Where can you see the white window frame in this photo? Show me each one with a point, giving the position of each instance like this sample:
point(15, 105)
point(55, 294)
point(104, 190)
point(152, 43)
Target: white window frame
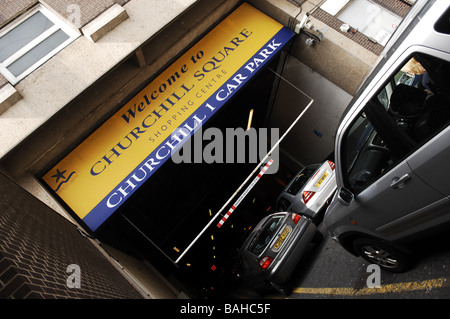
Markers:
point(58, 25)
point(374, 19)
point(337, 7)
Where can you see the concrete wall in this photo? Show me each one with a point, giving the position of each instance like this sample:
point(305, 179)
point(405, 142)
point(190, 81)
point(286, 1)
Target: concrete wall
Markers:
point(311, 140)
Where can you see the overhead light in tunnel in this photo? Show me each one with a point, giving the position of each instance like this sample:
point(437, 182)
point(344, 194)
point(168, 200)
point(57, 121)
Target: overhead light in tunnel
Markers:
point(250, 118)
point(176, 249)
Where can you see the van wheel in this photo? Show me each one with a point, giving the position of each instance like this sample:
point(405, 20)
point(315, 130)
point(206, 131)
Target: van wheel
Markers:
point(387, 257)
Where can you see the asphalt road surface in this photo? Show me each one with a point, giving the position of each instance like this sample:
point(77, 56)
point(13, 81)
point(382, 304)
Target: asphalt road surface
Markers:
point(327, 271)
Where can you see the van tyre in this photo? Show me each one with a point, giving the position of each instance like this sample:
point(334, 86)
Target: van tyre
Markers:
point(386, 256)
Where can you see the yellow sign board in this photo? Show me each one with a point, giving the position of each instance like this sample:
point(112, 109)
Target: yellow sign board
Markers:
point(100, 173)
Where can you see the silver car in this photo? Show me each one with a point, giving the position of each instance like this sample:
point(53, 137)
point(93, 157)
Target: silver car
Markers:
point(273, 250)
point(309, 192)
point(392, 147)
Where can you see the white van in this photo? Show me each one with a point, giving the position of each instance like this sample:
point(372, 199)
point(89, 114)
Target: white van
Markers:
point(392, 147)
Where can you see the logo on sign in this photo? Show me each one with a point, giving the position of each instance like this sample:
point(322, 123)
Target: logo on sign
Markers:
point(62, 176)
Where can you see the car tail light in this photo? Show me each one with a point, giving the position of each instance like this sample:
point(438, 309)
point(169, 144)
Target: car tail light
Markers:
point(332, 165)
point(295, 217)
point(265, 262)
point(307, 195)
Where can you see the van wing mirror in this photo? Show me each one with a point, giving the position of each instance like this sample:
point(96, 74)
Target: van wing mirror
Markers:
point(345, 196)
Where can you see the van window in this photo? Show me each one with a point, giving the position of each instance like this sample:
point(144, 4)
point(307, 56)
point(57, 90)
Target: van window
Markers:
point(443, 24)
point(412, 107)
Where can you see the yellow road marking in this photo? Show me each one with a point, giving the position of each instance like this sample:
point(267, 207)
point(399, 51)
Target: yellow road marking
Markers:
point(391, 288)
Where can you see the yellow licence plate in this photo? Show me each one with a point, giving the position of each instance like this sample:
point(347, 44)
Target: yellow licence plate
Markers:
point(282, 237)
point(324, 177)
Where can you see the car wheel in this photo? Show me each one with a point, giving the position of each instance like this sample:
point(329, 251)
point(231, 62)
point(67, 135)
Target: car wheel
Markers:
point(387, 257)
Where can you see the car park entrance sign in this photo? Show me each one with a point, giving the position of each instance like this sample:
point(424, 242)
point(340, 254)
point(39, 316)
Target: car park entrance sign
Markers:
point(103, 171)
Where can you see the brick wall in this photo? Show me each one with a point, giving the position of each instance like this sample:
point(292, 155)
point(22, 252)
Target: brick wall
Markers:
point(397, 7)
point(36, 247)
point(9, 9)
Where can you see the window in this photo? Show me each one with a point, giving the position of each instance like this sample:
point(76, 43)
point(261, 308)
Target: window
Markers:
point(365, 16)
point(443, 24)
point(301, 179)
point(29, 42)
point(412, 108)
point(371, 20)
point(266, 234)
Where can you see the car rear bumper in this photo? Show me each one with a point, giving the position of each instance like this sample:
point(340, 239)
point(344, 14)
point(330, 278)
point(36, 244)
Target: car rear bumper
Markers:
point(288, 259)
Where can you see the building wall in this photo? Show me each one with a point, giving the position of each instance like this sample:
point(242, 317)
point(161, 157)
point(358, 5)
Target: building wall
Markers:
point(343, 58)
point(37, 246)
point(13, 8)
point(89, 10)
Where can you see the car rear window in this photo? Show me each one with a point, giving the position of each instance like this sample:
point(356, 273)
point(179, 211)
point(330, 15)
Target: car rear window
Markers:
point(301, 179)
point(265, 235)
